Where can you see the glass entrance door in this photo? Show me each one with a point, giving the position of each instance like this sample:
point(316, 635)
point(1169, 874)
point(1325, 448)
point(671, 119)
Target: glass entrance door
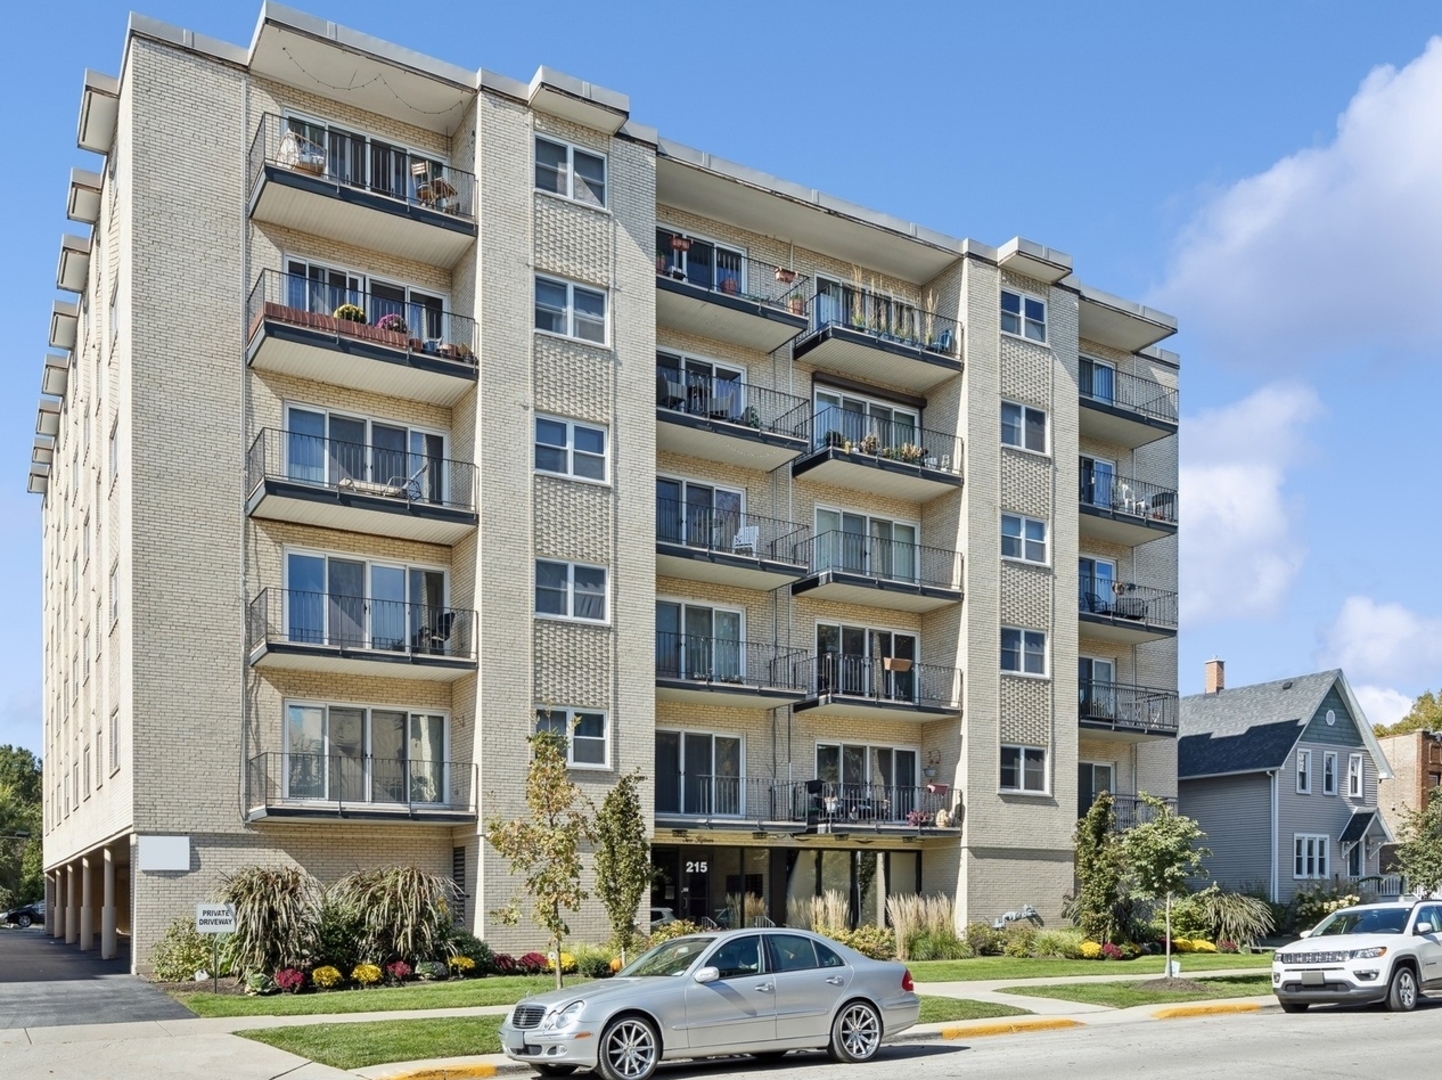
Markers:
point(1098, 478)
point(1096, 686)
point(1096, 583)
point(1093, 778)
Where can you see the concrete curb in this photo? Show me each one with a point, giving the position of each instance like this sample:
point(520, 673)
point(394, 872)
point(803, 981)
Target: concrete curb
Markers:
point(1221, 1008)
point(1020, 1026)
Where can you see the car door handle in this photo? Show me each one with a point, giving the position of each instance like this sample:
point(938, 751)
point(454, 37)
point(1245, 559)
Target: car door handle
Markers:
point(836, 980)
point(765, 987)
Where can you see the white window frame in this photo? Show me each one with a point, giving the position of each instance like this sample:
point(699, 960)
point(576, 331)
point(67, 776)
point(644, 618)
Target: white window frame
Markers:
point(1356, 776)
point(1023, 751)
point(716, 366)
point(368, 707)
point(114, 593)
point(677, 260)
point(1023, 320)
point(893, 522)
point(114, 449)
point(1022, 642)
point(409, 150)
point(713, 734)
point(686, 481)
point(370, 564)
point(1023, 521)
point(1304, 772)
point(568, 714)
point(571, 565)
point(684, 602)
point(369, 444)
point(1329, 772)
point(569, 334)
point(1313, 852)
point(867, 401)
point(1045, 450)
point(570, 451)
point(364, 281)
point(569, 194)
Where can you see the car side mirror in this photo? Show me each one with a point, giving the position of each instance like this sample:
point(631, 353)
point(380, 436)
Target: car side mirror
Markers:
point(708, 975)
point(1305, 933)
point(1425, 928)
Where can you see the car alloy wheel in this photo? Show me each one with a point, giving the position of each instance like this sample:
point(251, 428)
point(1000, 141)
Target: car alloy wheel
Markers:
point(629, 1050)
point(856, 1033)
point(1402, 997)
point(23, 921)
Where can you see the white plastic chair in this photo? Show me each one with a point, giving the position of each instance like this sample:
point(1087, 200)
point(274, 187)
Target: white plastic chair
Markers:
point(747, 537)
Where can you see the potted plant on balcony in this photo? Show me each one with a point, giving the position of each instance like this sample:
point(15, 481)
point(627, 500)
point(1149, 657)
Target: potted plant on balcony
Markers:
point(350, 319)
point(910, 453)
point(785, 276)
point(394, 328)
point(870, 443)
point(797, 304)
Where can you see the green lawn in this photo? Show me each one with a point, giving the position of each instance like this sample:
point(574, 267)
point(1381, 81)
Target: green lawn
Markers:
point(943, 1010)
point(1122, 995)
point(1006, 967)
point(498, 990)
point(354, 1046)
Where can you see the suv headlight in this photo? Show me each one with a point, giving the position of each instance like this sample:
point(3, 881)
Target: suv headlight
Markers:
point(1369, 954)
point(565, 1017)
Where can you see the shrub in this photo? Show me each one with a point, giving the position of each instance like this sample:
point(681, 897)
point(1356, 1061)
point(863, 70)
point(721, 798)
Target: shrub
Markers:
point(256, 983)
point(1227, 947)
point(465, 943)
point(431, 970)
point(876, 942)
point(1130, 950)
point(926, 928)
point(1020, 940)
point(1311, 906)
point(984, 940)
point(594, 962)
point(366, 974)
point(1061, 944)
point(290, 980)
point(505, 964)
point(1111, 952)
point(404, 911)
point(1212, 915)
point(327, 977)
point(533, 963)
point(398, 971)
point(394, 323)
point(568, 963)
point(181, 952)
point(678, 928)
point(1198, 945)
point(337, 939)
point(276, 916)
point(350, 313)
point(1090, 950)
point(1182, 945)
point(461, 966)
point(925, 945)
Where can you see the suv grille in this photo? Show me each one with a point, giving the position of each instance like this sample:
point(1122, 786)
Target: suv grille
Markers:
point(1317, 957)
point(528, 1016)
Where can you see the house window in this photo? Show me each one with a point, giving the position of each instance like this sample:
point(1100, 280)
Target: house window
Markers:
point(569, 171)
point(360, 161)
point(567, 590)
point(570, 448)
point(703, 263)
point(703, 516)
point(1097, 380)
point(1354, 776)
point(1098, 588)
point(584, 731)
point(1023, 651)
point(570, 310)
point(868, 425)
point(1310, 857)
point(350, 753)
point(85, 770)
point(1304, 772)
point(114, 313)
point(700, 772)
point(1099, 487)
point(1023, 316)
point(1023, 769)
point(872, 782)
point(702, 388)
point(85, 653)
point(351, 603)
point(868, 546)
point(331, 449)
point(866, 662)
point(1329, 773)
point(1023, 427)
point(114, 450)
point(1023, 538)
point(85, 541)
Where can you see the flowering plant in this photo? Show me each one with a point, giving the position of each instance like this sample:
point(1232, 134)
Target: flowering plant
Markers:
point(505, 964)
point(1111, 952)
point(392, 322)
point(568, 962)
point(431, 970)
point(1090, 950)
point(533, 963)
point(290, 980)
point(398, 970)
point(327, 977)
point(366, 974)
point(461, 965)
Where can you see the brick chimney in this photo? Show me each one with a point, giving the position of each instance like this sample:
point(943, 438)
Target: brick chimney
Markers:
point(1216, 676)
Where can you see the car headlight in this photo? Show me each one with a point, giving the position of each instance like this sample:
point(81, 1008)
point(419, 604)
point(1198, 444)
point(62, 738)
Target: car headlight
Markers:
point(564, 1017)
point(1369, 954)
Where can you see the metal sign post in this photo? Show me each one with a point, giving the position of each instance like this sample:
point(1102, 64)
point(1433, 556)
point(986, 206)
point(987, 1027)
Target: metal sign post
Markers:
point(215, 919)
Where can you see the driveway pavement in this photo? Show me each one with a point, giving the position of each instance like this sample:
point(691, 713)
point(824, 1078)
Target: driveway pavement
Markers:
point(45, 983)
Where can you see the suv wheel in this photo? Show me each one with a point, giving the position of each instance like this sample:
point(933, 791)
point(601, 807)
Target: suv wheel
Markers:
point(1402, 994)
point(1294, 1006)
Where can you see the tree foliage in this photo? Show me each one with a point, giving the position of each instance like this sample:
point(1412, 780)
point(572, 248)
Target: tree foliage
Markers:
point(277, 909)
point(1425, 715)
point(1419, 855)
point(1100, 871)
point(544, 847)
point(1162, 855)
point(623, 864)
point(21, 785)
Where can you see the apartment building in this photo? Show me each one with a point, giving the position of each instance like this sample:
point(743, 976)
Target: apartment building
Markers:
point(1416, 759)
point(402, 408)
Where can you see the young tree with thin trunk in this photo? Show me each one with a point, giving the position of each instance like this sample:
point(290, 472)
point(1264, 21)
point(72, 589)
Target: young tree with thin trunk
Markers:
point(623, 864)
point(1163, 855)
point(1419, 855)
point(1100, 870)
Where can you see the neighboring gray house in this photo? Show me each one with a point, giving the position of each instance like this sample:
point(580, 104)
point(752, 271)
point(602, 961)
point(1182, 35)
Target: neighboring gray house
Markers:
point(1282, 777)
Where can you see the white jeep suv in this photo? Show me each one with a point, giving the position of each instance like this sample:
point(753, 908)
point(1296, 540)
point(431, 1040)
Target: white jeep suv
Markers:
point(1370, 953)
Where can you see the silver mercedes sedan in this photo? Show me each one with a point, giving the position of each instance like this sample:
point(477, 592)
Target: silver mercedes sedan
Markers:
point(758, 992)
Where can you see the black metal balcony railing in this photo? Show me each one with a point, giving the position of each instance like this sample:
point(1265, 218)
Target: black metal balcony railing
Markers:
point(1126, 602)
point(884, 680)
point(417, 326)
point(296, 617)
point(731, 532)
point(1123, 495)
point(335, 465)
point(736, 275)
point(276, 778)
point(811, 801)
point(886, 560)
point(887, 440)
point(730, 401)
point(1124, 706)
point(886, 320)
point(1130, 810)
point(362, 164)
point(1122, 390)
point(725, 661)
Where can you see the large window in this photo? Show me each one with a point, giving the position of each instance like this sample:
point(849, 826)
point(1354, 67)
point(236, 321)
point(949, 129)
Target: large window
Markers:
point(317, 288)
point(698, 772)
point(584, 730)
point(357, 452)
point(1098, 380)
point(355, 753)
point(702, 516)
point(1355, 775)
point(354, 603)
point(570, 448)
point(570, 310)
point(865, 545)
point(870, 311)
point(861, 782)
point(1023, 316)
point(567, 590)
point(357, 160)
point(697, 641)
point(1311, 854)
point(1023, 769)
point(866, 424)
point(1023, 427)
point(1098, 485)
point(700, 262)
point(1023, 538)
point(1023, 651)
point(1097, 588)
point(865, 662)
point(1304, 772)
point(567, 170)
point(700, 387)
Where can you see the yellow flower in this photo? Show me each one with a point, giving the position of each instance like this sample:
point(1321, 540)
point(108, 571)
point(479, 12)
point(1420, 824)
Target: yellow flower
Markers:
point(326, 977)
point(1202, 946)
point(1090, 950)
point(461, 964)
point(568, 963)
point(366, 974)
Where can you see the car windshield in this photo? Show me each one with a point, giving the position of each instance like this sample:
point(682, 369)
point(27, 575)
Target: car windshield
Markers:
point(1363, 921)
point(668, 958)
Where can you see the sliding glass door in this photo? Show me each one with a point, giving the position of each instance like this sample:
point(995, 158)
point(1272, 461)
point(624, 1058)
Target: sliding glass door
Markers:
point(698, 642)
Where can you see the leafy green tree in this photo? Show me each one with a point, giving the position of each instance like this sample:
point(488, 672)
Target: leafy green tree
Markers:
point(544, 847)
point(1425, 715)
point(1162, 855)
point(20, 769)
point(1100, 870)
point(19, 832)
point(623, 863)
point(1419, 855)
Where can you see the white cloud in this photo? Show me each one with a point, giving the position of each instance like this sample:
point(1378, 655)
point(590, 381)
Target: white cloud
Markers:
point(1302, 261)
point(1377, 643)
point(1239, 546)
point(1382, 704)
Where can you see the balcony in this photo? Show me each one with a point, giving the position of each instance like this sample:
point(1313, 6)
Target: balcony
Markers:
point(721, 671)
point(877, 688)
point(1132, 811)
point(884, 457)
point(1120, 510)
point(308, 631)
point(312, 480)
point(853, 568)
point(882, 341)
point(283, 786)
point(729, 421)
point(360, 191)
point(408, 351)
point(1125, 612)
point(741, 301)
point(814, 806)
point(1125, 410)
point(1126, 712)
point(724, 547)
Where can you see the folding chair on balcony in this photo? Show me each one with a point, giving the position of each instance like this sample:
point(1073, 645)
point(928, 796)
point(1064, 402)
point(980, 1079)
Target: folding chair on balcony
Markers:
point(746, 540)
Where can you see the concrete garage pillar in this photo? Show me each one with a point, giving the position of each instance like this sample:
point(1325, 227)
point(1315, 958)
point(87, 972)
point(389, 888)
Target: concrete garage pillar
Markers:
point(87, 906)
point(72, 904)
point(53, 919)
point(107, 910)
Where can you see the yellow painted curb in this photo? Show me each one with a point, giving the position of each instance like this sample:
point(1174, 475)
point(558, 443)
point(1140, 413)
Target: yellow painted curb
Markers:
point(1207, 1010)
point(1008, 1027)
point(455, 1072)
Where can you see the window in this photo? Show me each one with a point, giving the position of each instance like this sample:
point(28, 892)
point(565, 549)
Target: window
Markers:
point(1023, 538)
point(1310, 857)
point(865, 310)
point(114, 314)
point(702, 516)
point(868, 546)
point(360, 161)
point(790, 952)
point(879, 783)
point(1023, 651)
point(114, 593)
point(328, 449)
point(114, 740)
point(570, 310)
point(570, 448)
point(1024, 316)
point(345, 602)
point(867, 662)
point(1304, 772)
point(85, 770)
point(1354, 776)
point(85, 653)
point(1099, 590)
point(570, 591)
point(869, 425)
point(699, 772)
point(1329, 773)
point(1097, 380)
point(584, 731)
point(694, 641)
point(567, 170)
point(85, 541)
point(351, 753)
point(1023, 768)
point(738, 957)
point(703, 388)
point(320, 289)
point(1099, 487)
point(1023, 427)
point(703, 263)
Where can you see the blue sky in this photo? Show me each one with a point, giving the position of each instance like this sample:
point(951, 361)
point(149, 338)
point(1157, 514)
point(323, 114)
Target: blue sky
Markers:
point(1269, 173)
